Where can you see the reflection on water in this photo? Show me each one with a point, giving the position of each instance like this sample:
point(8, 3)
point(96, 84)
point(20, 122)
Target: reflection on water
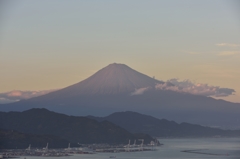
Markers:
point(211, 148)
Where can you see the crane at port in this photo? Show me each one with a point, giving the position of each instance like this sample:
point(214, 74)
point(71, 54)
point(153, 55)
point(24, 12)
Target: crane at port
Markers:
point(29, 147)
point(134, 144)
point(46, 148)
point(69, 148)
point(141, 146)
point(127, 146)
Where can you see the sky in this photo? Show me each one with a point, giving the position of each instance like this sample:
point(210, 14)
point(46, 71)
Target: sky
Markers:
point(51, 44)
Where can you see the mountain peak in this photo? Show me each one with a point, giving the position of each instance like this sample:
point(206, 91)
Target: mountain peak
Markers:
point(117, 66)
point(112, 79)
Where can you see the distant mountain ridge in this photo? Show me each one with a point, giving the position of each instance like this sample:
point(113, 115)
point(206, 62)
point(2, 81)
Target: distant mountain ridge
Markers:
point(117, 88)
point(71, 128)
point(136, 122)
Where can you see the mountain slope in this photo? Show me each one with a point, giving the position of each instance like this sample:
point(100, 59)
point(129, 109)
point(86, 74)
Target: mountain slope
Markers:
point(111, 90)
point(112, 79)
point(136, 122)
point(71, 128)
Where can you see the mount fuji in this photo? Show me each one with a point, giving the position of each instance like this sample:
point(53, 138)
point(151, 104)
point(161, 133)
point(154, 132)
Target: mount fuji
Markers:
point(118, 87)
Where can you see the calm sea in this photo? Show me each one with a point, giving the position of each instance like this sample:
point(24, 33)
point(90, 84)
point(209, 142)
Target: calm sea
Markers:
point(205, 148)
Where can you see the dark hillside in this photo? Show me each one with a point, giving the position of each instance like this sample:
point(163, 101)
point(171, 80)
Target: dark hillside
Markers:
point(136, 122)
point(71, 128)
point(11, 139)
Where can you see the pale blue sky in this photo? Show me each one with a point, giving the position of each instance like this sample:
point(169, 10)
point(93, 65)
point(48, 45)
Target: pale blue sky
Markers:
point(51, 44)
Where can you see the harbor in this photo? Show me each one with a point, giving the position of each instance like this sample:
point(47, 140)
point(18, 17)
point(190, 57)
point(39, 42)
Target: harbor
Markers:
point(84, 149)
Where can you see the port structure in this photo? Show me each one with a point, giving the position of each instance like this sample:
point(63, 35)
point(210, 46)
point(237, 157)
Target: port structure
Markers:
point(141, 145)
point(127, 146)
point(46, 148)
point(29, 147)
point(134, 144)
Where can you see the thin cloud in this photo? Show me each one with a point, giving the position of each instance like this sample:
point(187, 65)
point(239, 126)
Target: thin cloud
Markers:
point(228, 53)
point(191, 52)
point(5, 100)
point(16, 95)
point(167, 86)
point(186, 86)
point(140, 91)
point(228, 45)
